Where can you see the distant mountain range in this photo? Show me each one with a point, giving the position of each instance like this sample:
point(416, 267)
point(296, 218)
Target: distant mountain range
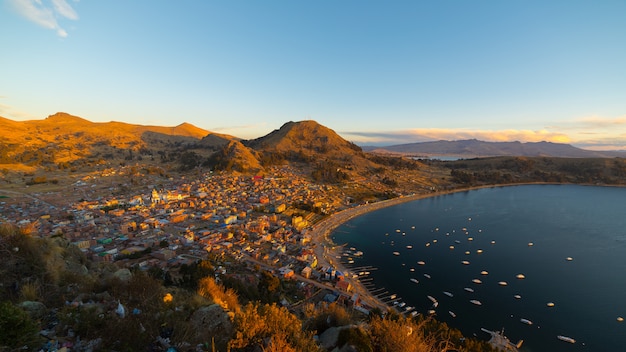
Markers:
point(472, 148)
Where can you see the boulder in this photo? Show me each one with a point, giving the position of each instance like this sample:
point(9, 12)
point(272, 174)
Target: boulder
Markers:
point(123, 274)
point(36, 310)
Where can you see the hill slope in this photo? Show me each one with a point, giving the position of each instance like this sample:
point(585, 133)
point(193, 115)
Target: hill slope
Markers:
point(62, 138)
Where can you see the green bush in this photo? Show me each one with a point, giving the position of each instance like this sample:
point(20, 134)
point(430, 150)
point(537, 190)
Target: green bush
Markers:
point(18, 329)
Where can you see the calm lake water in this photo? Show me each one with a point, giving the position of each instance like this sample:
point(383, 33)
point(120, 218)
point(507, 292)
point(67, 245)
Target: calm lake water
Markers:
point(568, 241)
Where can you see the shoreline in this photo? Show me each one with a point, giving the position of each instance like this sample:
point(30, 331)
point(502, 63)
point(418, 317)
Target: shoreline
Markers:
point(326, 251)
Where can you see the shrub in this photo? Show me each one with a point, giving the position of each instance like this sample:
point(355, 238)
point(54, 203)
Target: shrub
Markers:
point(18, 329)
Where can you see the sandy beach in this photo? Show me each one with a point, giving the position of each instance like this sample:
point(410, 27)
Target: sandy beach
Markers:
point(326, 251)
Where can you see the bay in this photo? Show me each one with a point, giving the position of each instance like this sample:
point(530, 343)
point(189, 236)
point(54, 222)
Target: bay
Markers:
point(568, 242)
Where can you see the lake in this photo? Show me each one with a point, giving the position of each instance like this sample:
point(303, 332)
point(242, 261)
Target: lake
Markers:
point(553, 255)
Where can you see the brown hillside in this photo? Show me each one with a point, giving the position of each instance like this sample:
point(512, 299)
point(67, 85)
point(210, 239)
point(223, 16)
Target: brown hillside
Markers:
point(308, 137)
point(63, 138)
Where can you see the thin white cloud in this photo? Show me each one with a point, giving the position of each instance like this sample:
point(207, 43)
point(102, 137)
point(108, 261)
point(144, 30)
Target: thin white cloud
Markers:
point(46, 14)
point(64, 9)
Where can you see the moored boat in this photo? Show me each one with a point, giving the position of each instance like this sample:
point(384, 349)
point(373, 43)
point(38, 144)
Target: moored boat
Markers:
point(566, 339)
point(526, 321)
point(476, 302)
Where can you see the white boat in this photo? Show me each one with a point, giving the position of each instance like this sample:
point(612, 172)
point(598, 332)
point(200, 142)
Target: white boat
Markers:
point(434, 241)
point(451, 247)
point(471, 290)
point(402, 304)
point(421, 262)
point(550, 304)
point(431, 311)
point(427, 276)
point(452, 314)
point(396, 253)
point(517, 297)
point(476, 302)
point(530, 244)
point(409, 247)
point(414, 313)
point(465, 262)
point(484, 272)
point(566, 339)
point(432, 299)
point(502, 283)
point(427, 244)
point(393, 296)
point(476, 281)
point(449, 294)
point(479, 251)
point(520, 276)
point(414, 280)
point(526, 321)
point(569, 259)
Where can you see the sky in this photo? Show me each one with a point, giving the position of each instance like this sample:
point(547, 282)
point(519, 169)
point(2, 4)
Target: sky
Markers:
point(376, 72)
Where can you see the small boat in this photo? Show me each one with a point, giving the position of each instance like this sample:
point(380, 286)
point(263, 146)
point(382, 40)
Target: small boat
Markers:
point(431, 311)
point(465, 262)
point(502, 283)
point(451, 247)
point(432, 299)
point(566, 339)
point(414, 280)
point(526, 321)
point(476, 281)
point(479, 251)
point(620, 319)
point(470, 290)
point(452, 314)
point(427, 244)
point(402, 304)
point(398, 230)
point(530, 244)
point(436, 304)
point(434, 241)
point(408, 309)
point(457, 241)
point(569, 259)
point(517, 297)
point(421, 263)
point(396, 253)
point(427, 276)
point(409, 247)
point(493, 242)
point(449, 294)
point(467, 252)
point(476, 302)
point(393, 296)
point(470, 238)
point(414, 313)
point(484, 272)
point(520, 276)
point(550, 304)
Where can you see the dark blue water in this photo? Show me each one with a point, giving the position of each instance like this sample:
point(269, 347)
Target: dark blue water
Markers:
point(585, 223)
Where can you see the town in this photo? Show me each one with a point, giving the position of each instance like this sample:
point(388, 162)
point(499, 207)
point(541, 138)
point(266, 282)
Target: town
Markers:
point(264, 220)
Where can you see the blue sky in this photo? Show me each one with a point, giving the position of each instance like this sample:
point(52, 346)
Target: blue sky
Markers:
point(376, 72)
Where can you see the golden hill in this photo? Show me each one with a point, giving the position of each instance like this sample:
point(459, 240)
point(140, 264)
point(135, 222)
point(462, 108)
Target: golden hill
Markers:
point(65, 138)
